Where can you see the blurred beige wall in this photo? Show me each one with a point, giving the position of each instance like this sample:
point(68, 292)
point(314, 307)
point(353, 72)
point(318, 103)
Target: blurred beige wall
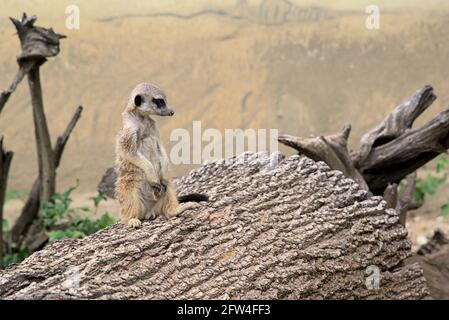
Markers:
point(231, 64)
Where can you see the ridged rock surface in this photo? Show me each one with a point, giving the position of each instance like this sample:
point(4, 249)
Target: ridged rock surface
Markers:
point(275, 228)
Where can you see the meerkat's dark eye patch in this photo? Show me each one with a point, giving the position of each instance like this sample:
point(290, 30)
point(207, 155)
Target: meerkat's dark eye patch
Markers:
point(160, 103)
point(138, 100)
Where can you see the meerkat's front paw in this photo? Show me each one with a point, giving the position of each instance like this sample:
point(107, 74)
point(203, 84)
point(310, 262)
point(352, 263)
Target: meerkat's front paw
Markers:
point(135, 223)
point(150, 215)
point(158, 189)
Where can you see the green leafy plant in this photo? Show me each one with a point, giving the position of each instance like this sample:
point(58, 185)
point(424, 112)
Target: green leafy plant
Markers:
point(61, 221)
point(434, 179)
point(15, 256)
point(82, 227)
point(428, 186)
point(5, 226)
point(445, 209)
point(15, 194)
point(98, 199)
point(58, 209)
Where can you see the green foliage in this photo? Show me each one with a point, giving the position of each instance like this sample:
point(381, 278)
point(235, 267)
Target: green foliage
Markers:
point(14, 255)
point(5, 226)
point(15, 194)
point(98, 199)
point(445, 209)
point(428, 186)
point(17, 255)
point(434, 179)
point(59, 212)
point(82, 227)
point(61, 221)
point(58, 209)
point(442, 163)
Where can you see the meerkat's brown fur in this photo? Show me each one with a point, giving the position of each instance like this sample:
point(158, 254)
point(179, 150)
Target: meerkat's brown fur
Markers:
point(144, 188)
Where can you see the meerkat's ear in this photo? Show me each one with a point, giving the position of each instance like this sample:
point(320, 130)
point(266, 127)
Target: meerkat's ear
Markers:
point(138, 100)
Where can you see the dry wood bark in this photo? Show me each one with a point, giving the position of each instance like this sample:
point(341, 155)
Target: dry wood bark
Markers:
point(46, 163)
point(5, 162)
point(31, 209)
point(275, 228)
point(332, 149)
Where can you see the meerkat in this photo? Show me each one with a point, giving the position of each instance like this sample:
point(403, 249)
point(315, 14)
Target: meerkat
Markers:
point(144, 188)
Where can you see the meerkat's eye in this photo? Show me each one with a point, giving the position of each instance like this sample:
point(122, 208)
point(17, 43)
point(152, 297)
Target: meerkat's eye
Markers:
point(138, 100)
point(160, 103)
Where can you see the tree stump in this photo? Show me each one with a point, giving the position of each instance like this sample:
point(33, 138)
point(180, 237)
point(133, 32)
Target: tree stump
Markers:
point(275, 228)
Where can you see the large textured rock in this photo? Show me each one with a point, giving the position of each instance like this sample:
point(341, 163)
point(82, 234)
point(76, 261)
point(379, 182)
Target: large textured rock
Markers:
point(275, 228)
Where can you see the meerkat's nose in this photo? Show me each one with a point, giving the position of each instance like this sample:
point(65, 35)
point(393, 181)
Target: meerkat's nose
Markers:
point(172, 112)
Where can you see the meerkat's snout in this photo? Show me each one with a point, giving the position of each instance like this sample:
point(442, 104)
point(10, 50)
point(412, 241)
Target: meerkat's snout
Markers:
point(168, 112)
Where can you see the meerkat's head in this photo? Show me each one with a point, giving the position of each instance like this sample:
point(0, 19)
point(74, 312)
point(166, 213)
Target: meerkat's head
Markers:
point(146, 99)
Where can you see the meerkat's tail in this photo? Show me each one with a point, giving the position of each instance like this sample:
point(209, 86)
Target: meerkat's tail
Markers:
point(193, 197)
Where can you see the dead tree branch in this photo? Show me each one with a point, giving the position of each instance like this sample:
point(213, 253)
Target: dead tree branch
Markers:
point(406, 198)
point(38, 44)
point(5, 162)
point(393, 161)
point(395, 124)
point(388, 153)
point(46, 163)
point(31, 208)
point(332, 149)
point(4, 95)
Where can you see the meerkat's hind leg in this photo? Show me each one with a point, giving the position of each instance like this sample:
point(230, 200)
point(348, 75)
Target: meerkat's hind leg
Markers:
point(132, 208)
point(168, 204)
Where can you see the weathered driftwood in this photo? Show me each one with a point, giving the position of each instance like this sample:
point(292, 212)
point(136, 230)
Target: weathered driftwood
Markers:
point(275, 228)
point(31, 208)
point(38, 44)
point(390, 151)
point(332, 149)
point(45, 156)
point(107, 183)
point(395, 124)
point(5, 162)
